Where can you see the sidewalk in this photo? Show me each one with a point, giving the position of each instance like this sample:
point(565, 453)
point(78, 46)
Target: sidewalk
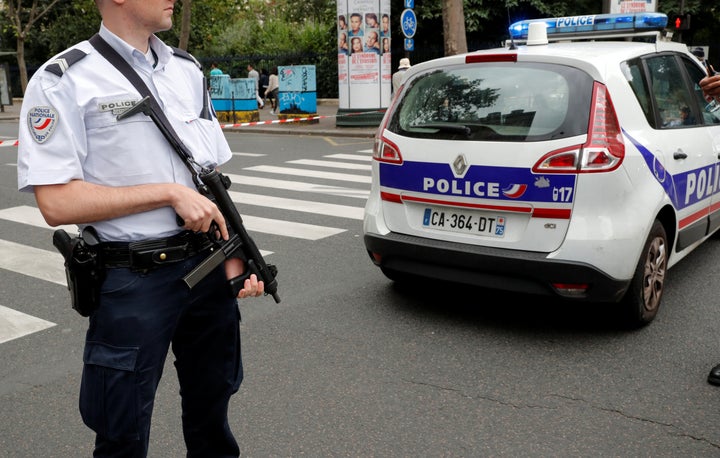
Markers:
point(327, 110)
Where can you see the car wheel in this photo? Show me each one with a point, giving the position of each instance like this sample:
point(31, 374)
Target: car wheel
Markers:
point(642, 300)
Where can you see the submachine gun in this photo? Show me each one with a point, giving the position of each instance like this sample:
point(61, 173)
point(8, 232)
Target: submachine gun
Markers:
point(214, 185)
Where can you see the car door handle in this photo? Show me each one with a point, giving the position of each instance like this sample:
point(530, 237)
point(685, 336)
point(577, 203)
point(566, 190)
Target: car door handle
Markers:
point(679, 155)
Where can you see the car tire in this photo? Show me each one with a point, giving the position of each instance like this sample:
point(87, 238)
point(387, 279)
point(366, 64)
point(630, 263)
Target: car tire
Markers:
point(642, 299)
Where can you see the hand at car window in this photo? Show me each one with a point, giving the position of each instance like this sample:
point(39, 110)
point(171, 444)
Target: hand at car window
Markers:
point(710, 86)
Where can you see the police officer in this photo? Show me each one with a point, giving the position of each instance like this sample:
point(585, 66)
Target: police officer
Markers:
point(122, 177)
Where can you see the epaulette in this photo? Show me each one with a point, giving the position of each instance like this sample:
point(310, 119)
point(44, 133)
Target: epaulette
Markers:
point(60, 64)
point(186, 55)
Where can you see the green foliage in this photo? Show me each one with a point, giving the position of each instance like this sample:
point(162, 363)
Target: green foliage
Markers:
point(209, 18)
point(265, 38)
point(675, 6)
point(68, 23)
point(285, 32)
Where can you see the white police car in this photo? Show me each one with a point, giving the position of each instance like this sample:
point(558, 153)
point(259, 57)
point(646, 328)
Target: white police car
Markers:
point(557, 165)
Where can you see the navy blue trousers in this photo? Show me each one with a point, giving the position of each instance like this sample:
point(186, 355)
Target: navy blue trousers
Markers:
point(127, 342)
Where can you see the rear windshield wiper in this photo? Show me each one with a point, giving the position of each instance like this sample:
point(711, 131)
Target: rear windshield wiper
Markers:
point(444, 127)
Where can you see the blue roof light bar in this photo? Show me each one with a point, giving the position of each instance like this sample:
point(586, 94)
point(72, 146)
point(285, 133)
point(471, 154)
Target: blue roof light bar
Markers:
point(594, 23)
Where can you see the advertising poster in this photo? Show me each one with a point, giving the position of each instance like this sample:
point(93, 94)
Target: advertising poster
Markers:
point(633, 6)
point(343, 53)
point(386, 62)
point(364, 56)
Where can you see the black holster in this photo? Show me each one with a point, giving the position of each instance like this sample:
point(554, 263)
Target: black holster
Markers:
point(83, 268)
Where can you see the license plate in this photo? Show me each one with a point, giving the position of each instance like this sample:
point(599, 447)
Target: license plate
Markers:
point(465, 222)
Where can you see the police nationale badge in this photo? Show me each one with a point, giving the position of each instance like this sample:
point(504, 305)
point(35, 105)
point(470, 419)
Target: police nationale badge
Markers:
point(42, 122)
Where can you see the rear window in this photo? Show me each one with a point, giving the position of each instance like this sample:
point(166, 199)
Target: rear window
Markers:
point(496, 101)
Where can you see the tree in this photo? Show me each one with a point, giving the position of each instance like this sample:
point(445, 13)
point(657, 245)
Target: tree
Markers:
point(454, 27)
point(185, 24)
point(23, 18)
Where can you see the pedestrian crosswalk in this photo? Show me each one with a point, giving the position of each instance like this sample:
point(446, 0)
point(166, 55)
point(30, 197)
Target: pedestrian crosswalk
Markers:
point(14, 324)
point(300, 188)
point(311, 173)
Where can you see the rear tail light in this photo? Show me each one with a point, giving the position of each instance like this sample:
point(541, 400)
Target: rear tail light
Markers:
point(571, 289)
point(604, 149)
point(376, 258)
point(386, 151)
point(383, 149)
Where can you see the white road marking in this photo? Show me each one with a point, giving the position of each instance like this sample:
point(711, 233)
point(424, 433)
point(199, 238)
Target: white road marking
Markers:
point(288, 228)
point(299, 186)
point(14, 324)
point(25, 214)
point(330, 164)
point(248, 154)
point(308, 206)
point(33, 262)
point(350, 157)
point(311, 173)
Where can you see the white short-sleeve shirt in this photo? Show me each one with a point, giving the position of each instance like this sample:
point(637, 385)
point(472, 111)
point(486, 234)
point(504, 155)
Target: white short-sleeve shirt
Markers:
point(69, 129)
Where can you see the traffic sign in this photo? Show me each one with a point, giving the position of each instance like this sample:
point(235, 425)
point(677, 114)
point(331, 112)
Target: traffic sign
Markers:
point(409, 3)
point(408, 22)
point(409, 44)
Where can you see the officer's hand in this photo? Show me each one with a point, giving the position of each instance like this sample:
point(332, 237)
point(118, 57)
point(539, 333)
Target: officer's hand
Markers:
point(197, 211)
point(252, 288)
point(235, 267)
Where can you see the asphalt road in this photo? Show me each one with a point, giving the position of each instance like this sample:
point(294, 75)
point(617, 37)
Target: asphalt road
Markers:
point(349, 364)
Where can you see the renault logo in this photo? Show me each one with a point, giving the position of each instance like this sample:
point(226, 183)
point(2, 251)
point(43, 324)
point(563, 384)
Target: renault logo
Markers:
point(460, 165)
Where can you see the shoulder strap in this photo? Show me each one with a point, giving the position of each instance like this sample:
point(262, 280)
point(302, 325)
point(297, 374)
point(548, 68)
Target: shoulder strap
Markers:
point(186, 55)
point(59, 65)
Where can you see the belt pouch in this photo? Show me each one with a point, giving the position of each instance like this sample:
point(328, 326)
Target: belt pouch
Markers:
point(148, 254)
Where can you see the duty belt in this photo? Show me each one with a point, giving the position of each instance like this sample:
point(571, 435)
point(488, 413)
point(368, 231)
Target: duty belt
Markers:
point(153, 253)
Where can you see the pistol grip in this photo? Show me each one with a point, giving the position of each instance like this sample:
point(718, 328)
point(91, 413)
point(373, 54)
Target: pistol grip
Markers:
point(236, 283)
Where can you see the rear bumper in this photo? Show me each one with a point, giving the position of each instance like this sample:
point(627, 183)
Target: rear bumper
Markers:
point(518, 271)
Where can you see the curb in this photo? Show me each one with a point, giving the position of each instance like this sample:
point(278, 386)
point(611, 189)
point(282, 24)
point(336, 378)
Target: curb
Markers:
point(12, 113)
point(321, 133)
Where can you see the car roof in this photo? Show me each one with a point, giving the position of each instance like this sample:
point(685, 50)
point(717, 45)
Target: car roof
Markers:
point(582, 52)
point(615, 51)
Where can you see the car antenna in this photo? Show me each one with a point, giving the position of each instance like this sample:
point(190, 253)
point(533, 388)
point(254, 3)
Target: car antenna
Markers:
point(512, 40)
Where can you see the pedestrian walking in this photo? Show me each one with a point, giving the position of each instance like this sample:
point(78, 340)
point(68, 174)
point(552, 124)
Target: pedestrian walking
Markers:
point(273, 90)
point(252, 73)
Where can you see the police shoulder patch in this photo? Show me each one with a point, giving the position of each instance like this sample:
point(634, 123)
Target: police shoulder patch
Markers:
point(61, 63)
point(186, 55)
point(42, 121)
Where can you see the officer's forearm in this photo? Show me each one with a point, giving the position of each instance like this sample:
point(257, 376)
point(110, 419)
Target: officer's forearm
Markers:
point(80, 202)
